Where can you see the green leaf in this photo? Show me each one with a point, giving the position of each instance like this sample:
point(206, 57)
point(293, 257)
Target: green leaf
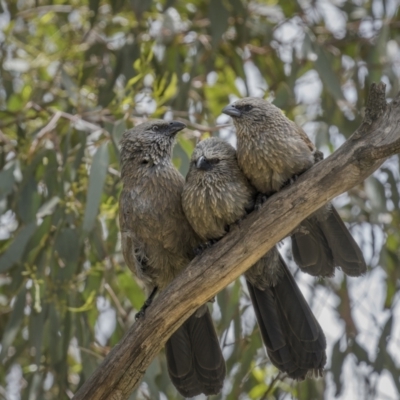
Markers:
point(54, 332)
point(94, 6)
point(16, 249)
point(282, 95)
point(67, 245)
point(393, 187)
point(84, 335)
point(13, 324)
point(377, 55)
point(360, 353)
point(6, 181)
point(218, 15)
point(48, 207)
point(15, 103)
point(258, 391)
point(338, 358)
point(36, 326)
point(35, 386)
point(376, 194)
point(324, 67)
point(135, 79)
point(28, 201)
point(70, 86)
point(128, 286)
point(89, 304)
point(97, 178)
point(181, 159)
point(119, 129)
point(116, 134)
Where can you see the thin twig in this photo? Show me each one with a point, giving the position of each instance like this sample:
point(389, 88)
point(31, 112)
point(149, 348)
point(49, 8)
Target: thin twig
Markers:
point(279, 376)
point(115, 300)
point(45, 9)
point(92, 353)
point(203, 128)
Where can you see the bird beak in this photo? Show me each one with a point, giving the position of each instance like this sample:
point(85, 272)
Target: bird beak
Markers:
point(174, 127)
point(232, 111)
point(202, 163)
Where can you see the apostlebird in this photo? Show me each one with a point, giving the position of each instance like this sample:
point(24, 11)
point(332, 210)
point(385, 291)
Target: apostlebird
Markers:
point(216, 195)
point(158, 243)
point(272, 150)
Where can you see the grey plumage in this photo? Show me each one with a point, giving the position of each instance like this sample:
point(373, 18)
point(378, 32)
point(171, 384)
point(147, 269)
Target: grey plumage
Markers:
point(217, 194)
point(158, 242)
point(271, 150)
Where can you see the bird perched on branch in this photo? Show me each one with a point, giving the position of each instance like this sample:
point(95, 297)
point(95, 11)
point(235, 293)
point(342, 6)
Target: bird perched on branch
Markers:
point(271, 151)
point(216, 194)
point(158, 242)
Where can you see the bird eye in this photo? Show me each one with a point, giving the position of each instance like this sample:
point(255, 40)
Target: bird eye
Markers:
point(214, 161)
point(247, 107)
point(144, 162)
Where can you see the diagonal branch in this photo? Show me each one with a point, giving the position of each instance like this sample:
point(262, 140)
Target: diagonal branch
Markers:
point(209, 273)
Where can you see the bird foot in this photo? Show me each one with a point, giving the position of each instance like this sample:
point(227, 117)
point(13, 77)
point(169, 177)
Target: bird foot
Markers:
point(140, 314)
point(229, 228)
point(261, 198)
point(291, 180)
point(318, 156)
point(146, 304)
point(204, 246)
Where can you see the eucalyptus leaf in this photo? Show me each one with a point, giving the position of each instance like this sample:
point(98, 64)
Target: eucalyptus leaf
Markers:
point(97, 178)
point(13, 325)
point(15, 251)
point(75, 76)
point(6, 181)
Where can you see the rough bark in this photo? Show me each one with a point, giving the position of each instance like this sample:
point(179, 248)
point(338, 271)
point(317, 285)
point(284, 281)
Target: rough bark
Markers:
point(376, 139)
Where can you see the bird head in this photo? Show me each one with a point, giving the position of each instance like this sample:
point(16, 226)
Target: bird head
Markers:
point(149, 143)
point(214, 157)
point(250, 113)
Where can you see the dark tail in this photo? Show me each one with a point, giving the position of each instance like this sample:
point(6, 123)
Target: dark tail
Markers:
point(328, 244)
point(294, 340)
point(194, 358)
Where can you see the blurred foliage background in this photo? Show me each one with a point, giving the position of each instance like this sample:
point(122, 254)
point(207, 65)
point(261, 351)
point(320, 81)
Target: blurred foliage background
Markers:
point(75, 74)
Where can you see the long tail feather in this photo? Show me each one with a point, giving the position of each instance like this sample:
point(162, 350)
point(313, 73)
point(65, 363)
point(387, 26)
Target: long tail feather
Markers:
point(194, 358)
point(326, 244)
point(294, 340)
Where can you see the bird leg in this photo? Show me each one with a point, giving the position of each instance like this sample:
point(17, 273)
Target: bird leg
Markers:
point(148, 301)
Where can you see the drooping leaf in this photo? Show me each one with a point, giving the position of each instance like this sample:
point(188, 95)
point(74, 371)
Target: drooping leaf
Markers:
point(97, 177)
point(13, 325)
point(324, 67)
point(6, 181)
point(15, 251)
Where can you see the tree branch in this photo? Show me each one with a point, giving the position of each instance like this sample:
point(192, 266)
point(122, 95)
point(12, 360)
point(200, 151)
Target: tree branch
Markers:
point(123, 368)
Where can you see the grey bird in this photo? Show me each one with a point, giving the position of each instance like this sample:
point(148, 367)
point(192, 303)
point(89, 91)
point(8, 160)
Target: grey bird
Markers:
point(272, 150)
point(158, 243)
point(216, 195)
